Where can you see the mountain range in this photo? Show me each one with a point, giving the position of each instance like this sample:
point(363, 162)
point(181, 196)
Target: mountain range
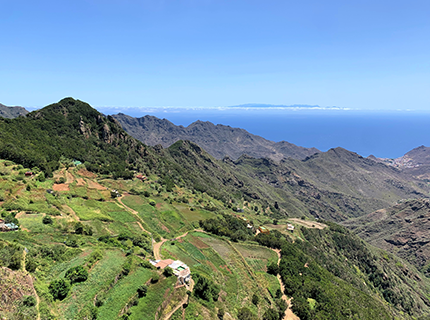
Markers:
point(218, 140)
point(12, 112)
point(95, 205)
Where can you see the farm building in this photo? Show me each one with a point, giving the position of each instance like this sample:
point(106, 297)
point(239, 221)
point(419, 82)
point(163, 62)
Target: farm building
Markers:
point(290, 227)
point(263, 230)
point(180, 269)
point(7, 226)
point(141, 177)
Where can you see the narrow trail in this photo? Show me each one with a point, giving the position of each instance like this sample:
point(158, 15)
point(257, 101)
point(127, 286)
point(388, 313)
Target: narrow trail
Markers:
point(24, 255)
point(157, 245)
point(71, 212)
point(119, 199)
point(182, 302)
point(288, 315)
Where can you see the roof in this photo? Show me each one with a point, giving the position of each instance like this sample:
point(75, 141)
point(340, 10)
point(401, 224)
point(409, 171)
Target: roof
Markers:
point(164, 263)
point(176, 264)
point(11, 225)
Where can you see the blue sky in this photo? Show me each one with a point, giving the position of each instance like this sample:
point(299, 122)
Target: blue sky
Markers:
point(351, 54)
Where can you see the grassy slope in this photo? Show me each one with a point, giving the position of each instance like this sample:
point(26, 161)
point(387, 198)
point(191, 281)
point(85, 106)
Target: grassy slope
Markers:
point(238, 268)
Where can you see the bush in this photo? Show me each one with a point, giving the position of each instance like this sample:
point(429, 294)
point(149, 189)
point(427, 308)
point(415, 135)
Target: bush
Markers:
point(47, 220)
point(246, 314)
point(29, 301)
point(59, 289)
point(255, 299)
point(155, 278)
point(41, 177)
point(168, 272)
point(77, 274)
point(146, 264)
point(152, 202)
point(142, 290)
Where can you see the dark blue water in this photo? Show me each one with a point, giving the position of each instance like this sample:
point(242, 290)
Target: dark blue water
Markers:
point(387, 134)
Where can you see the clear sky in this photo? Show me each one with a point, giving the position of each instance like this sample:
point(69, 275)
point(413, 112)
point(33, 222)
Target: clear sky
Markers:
point(352, 54)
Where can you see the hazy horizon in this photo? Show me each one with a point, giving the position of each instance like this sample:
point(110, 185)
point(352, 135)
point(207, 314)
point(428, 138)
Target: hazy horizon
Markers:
point(359, 55)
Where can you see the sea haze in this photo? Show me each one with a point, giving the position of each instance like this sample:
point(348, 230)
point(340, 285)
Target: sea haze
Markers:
point(383, 134)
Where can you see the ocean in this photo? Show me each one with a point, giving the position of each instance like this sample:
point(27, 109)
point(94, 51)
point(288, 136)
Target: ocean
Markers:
point(383, 134)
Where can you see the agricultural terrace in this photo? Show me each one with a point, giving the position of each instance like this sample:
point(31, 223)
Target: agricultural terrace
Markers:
point(239, 268)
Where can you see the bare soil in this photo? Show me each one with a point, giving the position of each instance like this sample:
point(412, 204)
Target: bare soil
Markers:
point(61, 187)
point(87, 174)
point(309, 224)
point(95, 185)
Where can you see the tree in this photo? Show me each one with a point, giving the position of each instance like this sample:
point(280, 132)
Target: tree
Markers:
point(246, 314)
point(77, 274)
point(59, 289)
point(255, 299)
point(155, 278)
point(142, 290)
point(47, 220)
point(272, 268)
point(79, 228)
point(29, 301)
point(271, 314)
point(168, 272)
point(221, 313)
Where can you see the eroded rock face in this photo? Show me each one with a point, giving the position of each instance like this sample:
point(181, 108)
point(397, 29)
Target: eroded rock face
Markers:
point(218, 140)
point(403, 229)
point(14, 285)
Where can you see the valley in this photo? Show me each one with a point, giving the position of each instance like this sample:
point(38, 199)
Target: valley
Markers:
point(85, 208)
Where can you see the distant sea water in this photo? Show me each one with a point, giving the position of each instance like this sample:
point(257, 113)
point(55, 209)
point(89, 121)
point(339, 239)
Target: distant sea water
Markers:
point(383, 134)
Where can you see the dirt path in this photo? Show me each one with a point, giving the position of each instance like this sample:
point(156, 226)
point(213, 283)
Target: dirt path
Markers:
point(288, 315)
point(24, 255)
point(135, 213)
point(182, 302)
point(69, 177)
point(95, 185)
point(71, 212)
point(157, 247)
point(308, 224)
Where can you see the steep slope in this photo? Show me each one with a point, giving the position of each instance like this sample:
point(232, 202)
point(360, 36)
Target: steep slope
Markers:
point(82, 229)
point(415, 163)
point(333, 185)
point(340, 170)
point(401, 229)
point(218, 140)
point(11, 112)
point(72, 129)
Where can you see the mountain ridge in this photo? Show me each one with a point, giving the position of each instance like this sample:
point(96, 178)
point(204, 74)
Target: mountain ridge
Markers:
point(219, 140)
point(12, 112)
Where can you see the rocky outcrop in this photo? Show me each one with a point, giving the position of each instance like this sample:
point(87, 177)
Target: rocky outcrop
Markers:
point(218, 140)
point(12, 112)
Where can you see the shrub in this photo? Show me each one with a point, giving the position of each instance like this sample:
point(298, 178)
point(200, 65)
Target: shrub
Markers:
point(142, 290)
point(146, 264)
point(59, 289)
point(155, 278)
point(47, 220)
point(152, 202)
point(29, 301)
point(255, 299)
point(246, 314)
point(77, 274)
point(168, 272)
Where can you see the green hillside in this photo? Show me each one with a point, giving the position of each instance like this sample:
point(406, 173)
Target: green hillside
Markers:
point(88, 228)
